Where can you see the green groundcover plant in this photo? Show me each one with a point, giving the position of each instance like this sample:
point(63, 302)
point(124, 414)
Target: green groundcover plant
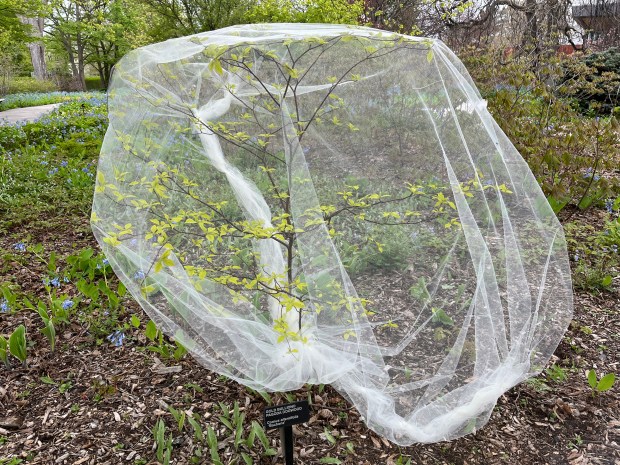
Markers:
point(32, 99)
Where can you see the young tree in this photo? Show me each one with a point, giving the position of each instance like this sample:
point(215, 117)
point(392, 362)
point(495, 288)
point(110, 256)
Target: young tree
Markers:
point(270, 250)
point(297, 203)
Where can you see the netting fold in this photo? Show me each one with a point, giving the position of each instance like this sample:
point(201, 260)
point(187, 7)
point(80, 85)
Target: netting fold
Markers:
point(332, 204)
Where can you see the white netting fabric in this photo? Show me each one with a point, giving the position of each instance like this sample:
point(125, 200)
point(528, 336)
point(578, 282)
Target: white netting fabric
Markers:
point(329, 204)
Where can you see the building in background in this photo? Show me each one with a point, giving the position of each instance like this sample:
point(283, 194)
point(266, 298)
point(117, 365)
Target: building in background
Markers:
point(599, 21)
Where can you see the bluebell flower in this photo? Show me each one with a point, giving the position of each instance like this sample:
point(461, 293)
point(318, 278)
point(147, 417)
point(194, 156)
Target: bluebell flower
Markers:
point(576, 256)
point(116, 338)
point(67, 304)
point(105, 262)
point(44, 162)
point(4, 306)
point(54, 282)
point(609, 205)
point(64, 163)
point(85, 169)
point(52, 172)
point(614, 248)
point(139, 275)
point(20, 247)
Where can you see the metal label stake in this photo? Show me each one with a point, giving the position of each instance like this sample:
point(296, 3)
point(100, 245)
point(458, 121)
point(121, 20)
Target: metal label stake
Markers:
point(284, 417)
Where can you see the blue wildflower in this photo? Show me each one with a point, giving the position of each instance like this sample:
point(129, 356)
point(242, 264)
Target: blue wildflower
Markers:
point(64, 163)
point(609, 205)
point(20, 247)
point(67, 304)
point(103, 264)
point(139, 275)
point(576, 256)
point(116, 338)
point(85, 169)
point(52, 172)
point(54, 282)
point(44, 163)
point(4, 306)
point(614, 248)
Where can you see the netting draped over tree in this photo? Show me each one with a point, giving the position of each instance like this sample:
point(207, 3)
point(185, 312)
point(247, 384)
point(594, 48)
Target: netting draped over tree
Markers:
point(328, 204)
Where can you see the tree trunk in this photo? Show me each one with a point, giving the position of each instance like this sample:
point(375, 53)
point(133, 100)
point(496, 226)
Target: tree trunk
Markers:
point(79, 42)
point(530, 37)
point(37, 50)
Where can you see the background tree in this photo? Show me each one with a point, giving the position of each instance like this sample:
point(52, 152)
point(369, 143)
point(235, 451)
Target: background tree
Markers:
point(524, 25)
point(97, 32)
point(118, 32)
point(308, 11)
point(35, 23)
point(14, 34)
point(178, 18)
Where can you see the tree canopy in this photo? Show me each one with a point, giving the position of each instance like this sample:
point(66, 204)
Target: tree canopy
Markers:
point(89, 36)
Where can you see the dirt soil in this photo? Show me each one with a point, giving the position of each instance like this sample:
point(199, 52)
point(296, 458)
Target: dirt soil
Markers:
point(105, 400)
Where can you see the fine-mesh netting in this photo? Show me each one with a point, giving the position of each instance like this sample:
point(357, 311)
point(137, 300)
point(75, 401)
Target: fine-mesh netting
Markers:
point(331, 204)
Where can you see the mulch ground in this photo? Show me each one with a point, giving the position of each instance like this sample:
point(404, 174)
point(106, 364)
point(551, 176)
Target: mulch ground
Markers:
point(104, 400)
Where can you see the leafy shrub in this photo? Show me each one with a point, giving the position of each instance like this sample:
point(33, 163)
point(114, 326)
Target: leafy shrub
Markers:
point(595, 254)
point(593, 81)
point(28, 84)
point(93, 83)
point(570, 154)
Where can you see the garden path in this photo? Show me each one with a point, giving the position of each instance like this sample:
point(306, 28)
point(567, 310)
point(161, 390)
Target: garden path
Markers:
point(25, 114)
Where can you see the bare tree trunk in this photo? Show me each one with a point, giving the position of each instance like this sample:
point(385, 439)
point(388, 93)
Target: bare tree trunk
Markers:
point(80, 45)
point(37, 50)
point(530, 36)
